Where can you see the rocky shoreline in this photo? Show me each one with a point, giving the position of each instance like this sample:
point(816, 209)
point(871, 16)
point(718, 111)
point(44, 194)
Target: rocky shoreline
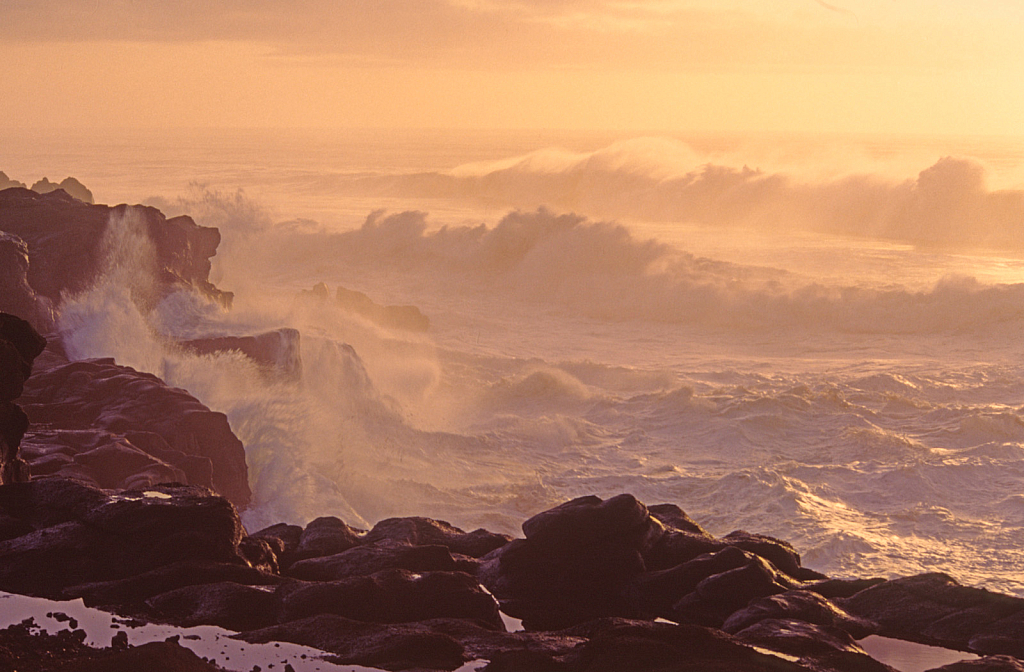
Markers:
point(124, 492)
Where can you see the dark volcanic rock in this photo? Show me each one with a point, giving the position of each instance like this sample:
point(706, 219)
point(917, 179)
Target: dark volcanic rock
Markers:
point(370, 558)
point(140, 587)
point(393, 647)
point(324, 536)
point(426, 531)
point(16, 295)
point(278, 350)
point(655, 594)
point(67, 247)
point(718, 596)
point(935, 609)
point(393, 596)
point(227, 604)
point(801, 605)
point(138, 415)
point(83, 535)
point(20, 344)
point(575, 562)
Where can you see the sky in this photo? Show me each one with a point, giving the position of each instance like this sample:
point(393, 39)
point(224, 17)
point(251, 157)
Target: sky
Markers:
point(860, 66)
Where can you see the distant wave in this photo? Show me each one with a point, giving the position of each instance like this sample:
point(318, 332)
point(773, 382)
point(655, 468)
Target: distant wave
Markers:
point(602, 270)
point(948, 204)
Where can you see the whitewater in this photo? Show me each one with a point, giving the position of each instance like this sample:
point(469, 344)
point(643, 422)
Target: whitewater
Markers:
point(816, 340)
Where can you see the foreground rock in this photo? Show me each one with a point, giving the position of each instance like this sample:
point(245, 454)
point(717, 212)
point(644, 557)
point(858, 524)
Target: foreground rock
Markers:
point(114, 427)
point(410, 594)
point(63, 533)
point(935, 609)
point(590, 558)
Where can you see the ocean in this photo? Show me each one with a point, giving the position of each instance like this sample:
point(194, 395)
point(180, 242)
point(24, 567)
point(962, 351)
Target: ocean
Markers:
point(813, 337)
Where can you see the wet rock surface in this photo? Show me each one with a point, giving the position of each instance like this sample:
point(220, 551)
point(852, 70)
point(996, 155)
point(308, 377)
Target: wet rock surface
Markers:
point(406, 596)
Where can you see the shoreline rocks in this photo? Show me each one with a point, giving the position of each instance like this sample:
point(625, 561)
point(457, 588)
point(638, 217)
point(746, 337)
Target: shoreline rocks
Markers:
point(405, 595)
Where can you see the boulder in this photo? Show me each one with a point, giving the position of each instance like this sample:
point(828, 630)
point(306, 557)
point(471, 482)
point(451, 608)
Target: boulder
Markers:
point(392, 596)
point(226, 604)
point(935, 609)
point(800, 605)
point(575, 563)
point(138, 588)
point(720, 595)
point(427, 531)
point(85, 535)
point(20, 344)
point(327, 535)
point(369, 558)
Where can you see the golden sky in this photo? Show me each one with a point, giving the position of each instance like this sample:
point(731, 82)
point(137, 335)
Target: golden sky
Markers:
point(919, 66)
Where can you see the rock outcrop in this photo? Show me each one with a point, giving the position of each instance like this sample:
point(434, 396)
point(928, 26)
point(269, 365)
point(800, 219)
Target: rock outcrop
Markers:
point(68, 250)
point(407, 318)
point(277, 351)
point(115, 427)
point(20, 344)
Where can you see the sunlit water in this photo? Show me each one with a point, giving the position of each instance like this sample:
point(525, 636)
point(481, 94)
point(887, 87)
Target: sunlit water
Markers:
point(823, 351)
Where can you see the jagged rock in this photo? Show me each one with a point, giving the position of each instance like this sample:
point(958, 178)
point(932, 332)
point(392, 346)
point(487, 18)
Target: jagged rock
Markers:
point(65, 244)
point(278, 350)
point(16, 296)
point(140, 587)
point(367, 559)
point(935, 609)
point(20, 344)
point(393, 596)
point(70, 185)
point(575, 562)
point(654, 594)
point(227, 604)
point(426, 531)
point(8, 183)
point(394, 317)
point(138, 413)
point(801, 605)
point(324, 536)
point(720, 595)
point(391, 647)
point(84, 535)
